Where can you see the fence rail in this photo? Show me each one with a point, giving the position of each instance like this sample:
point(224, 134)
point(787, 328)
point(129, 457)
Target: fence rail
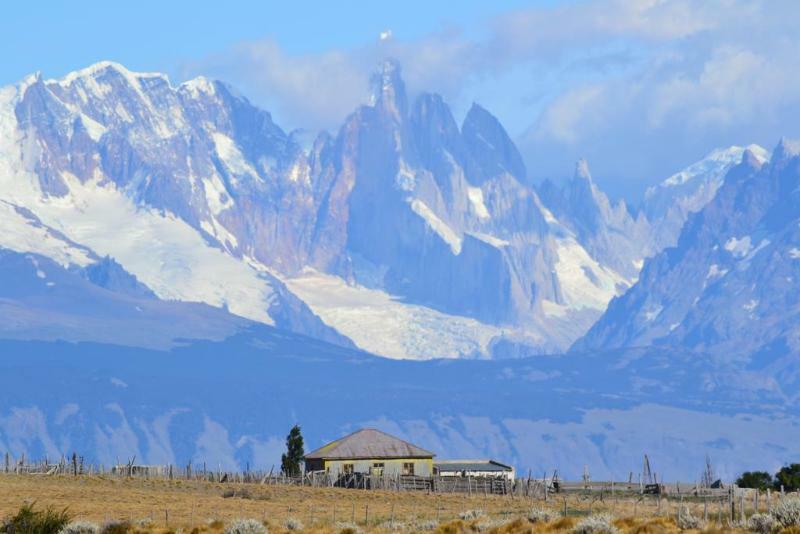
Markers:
point(542, 488)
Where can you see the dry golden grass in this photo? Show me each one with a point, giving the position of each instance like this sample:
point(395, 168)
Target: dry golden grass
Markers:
point(195, 507)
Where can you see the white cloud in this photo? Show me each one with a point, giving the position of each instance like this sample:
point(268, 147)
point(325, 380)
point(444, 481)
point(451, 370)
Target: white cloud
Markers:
point(609, 79)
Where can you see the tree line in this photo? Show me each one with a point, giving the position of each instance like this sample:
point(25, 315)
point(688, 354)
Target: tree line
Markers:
point(787, 478)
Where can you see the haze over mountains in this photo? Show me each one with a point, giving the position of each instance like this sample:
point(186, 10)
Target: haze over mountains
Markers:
point(139, 217)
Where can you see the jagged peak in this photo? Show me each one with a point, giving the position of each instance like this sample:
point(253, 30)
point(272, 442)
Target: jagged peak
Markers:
point(477, 113)
point(752, 159)
point(199, 86)
point(28, 81)
point(786, 150)
point(102, 66)
point(388, 88)
point(427, 100)
point(582, 170)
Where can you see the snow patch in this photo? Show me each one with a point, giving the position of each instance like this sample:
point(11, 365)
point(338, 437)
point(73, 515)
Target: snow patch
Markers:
point(382, 324)
point(231, 156)
point(719, 158)
point(714, 271)
point(118, 383)
point(22, 234)
point(406, 178)
point(437, 225)
point(93, 128)
point(579, 289)
point(490, 239)
point(217, 195)
point(750, 305)
point(199, 86)
point(653, 313)
point(475, 195)
point(739, 248)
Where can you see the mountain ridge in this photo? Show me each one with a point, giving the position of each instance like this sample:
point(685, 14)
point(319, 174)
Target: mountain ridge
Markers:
point(235, 212)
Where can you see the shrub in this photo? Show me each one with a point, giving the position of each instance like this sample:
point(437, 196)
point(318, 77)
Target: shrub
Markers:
point(348, 528)
point(392, 526)
point(486, 524)
point(595, 524)
point(755, 479)
point(761, 523)
point(115, 527)
point(542, 515)
point(469, 515)
point(293, 524)
point(787, 512)
point(686, 521)
point(27, 520)
point(429, 524)
point(246, 526)
point(80, 527)
point(788, 477)
point(215, 524)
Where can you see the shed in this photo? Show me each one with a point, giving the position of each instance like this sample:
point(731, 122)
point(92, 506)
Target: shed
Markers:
point(473, 468)
point(370, 452)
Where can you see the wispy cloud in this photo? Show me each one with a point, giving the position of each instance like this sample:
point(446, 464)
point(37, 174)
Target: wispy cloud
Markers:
point(653, 83)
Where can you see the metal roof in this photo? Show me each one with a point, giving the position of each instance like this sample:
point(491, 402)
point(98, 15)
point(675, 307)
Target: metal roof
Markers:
point(471, 465)
point(368, 443)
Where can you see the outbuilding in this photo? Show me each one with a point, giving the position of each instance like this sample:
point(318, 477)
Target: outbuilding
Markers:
point(370, 452)
point(473, 468)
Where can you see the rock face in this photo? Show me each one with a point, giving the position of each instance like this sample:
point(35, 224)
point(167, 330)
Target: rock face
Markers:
point(225, 204)
point(669, 204)
point(729, 287)
point(201, 197)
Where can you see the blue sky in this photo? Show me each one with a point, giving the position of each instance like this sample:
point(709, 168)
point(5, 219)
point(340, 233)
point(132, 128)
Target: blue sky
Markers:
point(640, 88)
point(62, 36)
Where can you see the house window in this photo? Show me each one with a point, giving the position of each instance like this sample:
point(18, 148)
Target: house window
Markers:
point(377, 468)
point(347, 469)
point(408, 468)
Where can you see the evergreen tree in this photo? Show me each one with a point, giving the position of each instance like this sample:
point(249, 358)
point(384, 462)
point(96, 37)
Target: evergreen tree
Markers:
point(788, 477)
point(755, 479)
point(290, 462)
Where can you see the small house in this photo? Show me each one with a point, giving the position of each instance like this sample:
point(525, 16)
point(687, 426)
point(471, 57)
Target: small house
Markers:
point(370, 452)
point(473, 468)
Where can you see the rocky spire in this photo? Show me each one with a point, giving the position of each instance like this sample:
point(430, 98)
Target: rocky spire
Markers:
point(389, 91)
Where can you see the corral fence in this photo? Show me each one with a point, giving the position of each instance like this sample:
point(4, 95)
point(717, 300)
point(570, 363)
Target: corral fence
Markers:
point(720, 503)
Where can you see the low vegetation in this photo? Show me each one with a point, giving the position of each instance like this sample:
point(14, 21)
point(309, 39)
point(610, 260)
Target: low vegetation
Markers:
point(246, 526)
point(80, 527)
point(596, 524)
point(98, 505)
point(30, 520)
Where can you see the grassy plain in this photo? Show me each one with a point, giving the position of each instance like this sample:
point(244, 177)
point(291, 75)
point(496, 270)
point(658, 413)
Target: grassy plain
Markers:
point(162, 506)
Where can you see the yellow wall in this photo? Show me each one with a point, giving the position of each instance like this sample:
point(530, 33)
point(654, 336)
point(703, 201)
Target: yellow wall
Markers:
point(422, 466)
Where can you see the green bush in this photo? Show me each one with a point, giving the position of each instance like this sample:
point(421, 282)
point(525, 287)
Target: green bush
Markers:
point(788, 477)
point(28, 520)
point(755, 479)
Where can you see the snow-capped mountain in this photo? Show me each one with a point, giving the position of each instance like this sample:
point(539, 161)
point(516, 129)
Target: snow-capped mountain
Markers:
point(609, 231)
point(670, 203)
point(729, 288)
point(204, 198)
point(179, 229)
point(410, 235)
